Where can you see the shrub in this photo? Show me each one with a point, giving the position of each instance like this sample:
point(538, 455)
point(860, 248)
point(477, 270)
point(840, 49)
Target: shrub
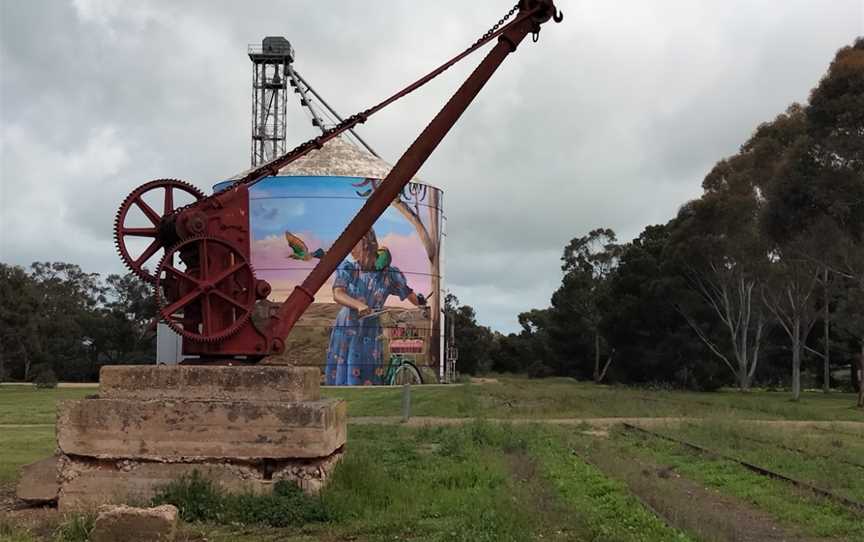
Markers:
point(196, 498)
point(44, 377)
point(538, 369)
point(463, 378)
point(199, 499)
point(287, 506)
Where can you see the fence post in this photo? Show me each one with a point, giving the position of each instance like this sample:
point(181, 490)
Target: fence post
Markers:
point(406, 401)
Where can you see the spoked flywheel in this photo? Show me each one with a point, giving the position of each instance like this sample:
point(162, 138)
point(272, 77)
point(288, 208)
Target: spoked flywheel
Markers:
point(210, 294)
point(154, 230)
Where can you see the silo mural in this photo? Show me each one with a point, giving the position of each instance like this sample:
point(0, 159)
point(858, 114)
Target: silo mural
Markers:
point(378, 318)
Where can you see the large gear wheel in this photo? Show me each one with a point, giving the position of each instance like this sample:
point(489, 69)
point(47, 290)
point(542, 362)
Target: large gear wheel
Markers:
point(214, 297)
point(136, 263)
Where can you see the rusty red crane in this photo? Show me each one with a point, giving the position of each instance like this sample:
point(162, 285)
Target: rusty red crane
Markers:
point(211, 301)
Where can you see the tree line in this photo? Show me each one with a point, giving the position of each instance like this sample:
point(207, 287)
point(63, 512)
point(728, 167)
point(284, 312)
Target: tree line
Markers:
point(59, 322)
point(758, 280)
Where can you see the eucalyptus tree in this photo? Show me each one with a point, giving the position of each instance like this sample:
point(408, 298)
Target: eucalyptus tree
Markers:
point(719, 248)
point(588, 263)
point(817, 193)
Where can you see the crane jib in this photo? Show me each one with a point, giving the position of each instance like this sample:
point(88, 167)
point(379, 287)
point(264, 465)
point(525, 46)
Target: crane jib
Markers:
point(211, 302)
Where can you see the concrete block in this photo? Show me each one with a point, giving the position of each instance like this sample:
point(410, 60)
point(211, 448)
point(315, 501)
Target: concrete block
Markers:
point(181, 430)
point(87, 483)
point(210, 383)
point(38, 482)
point(119, 523)
point(310, 475)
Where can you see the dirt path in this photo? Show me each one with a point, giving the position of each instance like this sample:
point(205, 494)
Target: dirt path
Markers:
point(601, 423)
point(60, 385)
point(553, 520)
point(24, 425)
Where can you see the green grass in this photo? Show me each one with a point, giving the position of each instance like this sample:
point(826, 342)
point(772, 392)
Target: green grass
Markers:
point(509, 398)
point(486, 481)
point(565, 398)
point(609, 511)
point(515, 397)
point(477, 482)
point(22, 445)
point(447, 484)
point(458, 400)
point(27, 405)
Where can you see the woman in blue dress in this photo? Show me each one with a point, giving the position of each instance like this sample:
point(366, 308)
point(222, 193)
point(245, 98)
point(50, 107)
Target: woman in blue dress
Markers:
point(362, 286)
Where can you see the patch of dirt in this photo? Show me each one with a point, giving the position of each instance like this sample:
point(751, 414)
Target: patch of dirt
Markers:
point(41, 521)
point(689, 506)
point(478, 380)
point(553, 520)
point(7, 497)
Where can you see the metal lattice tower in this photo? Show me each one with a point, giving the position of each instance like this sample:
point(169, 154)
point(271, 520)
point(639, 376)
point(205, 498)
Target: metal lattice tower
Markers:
point(271, 63)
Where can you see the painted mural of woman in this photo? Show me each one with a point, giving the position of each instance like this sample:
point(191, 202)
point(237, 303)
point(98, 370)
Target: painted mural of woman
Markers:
point(362, 286)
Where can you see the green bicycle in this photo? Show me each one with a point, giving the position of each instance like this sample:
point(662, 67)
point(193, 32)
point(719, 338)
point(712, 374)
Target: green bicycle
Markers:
point(404, 338)
point(402, 371)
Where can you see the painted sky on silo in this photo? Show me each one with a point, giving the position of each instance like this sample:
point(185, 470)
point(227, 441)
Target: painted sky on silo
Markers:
point(316, 210)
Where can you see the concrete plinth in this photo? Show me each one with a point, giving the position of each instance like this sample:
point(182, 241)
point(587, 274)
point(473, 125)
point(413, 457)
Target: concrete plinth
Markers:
point(242, 383)
point(89, 482)
point(242, 427)
point(176, 430)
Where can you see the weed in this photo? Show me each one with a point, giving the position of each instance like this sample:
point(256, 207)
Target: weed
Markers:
point(287, 506)
point(44, 377)
point(76, 528)
point(13, 533)
point(196, 497)
point(199, 499)
point(605, 505)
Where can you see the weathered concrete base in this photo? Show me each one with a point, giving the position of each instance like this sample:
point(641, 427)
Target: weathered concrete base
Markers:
point(87, 482)
point(38, 482)
point(124, 523)
point(245, 428)
point(179, 429)
point(217, 383)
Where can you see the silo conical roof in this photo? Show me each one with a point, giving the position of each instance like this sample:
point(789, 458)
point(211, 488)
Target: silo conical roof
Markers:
point(338, 158)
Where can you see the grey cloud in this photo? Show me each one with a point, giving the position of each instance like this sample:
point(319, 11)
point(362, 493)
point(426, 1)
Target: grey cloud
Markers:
point(611, 120)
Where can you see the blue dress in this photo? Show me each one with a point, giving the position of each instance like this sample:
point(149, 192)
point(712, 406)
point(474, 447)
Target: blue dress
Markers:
point(354, 354)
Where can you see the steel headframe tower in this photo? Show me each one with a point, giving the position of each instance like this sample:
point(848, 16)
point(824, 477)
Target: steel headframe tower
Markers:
point(271, 64)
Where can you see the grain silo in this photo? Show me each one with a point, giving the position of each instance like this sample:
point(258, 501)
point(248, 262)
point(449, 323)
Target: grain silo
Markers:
point(379, 316)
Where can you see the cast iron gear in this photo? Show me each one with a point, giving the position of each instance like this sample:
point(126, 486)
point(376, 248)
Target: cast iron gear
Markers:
point(232, 289)
point(157, 232)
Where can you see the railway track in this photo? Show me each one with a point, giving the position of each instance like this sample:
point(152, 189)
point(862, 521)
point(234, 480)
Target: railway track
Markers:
point(851, 504)
point(803, 452)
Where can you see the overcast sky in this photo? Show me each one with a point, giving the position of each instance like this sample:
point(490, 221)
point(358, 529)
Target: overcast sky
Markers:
point(611, 120)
